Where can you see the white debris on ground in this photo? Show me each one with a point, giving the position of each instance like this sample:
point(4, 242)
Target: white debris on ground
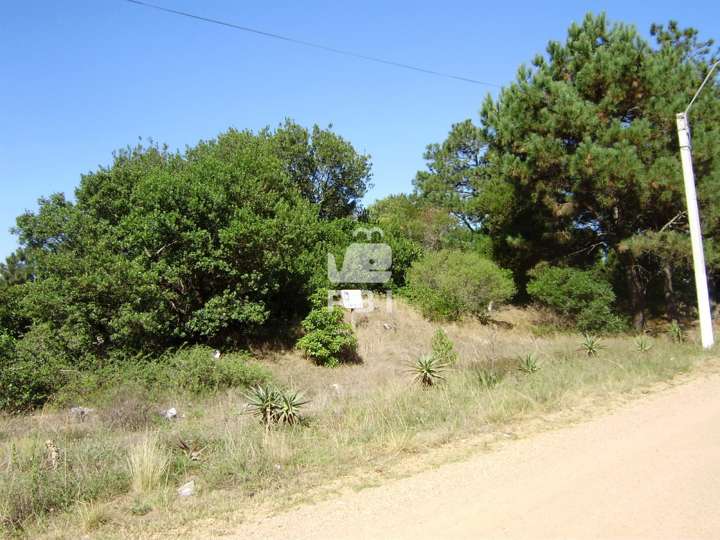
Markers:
point(217, 354)
point(81, 413)
point(170, 414)
point(186, 490)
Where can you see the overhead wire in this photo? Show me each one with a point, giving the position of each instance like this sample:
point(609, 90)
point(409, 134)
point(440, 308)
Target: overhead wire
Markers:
point(311, 44)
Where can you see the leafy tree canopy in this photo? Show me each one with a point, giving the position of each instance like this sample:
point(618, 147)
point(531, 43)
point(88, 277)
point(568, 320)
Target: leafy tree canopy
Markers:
point(579, 156)
point(325, 167)
point(203, 246)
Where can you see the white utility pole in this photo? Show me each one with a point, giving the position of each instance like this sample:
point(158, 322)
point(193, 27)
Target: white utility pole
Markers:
point(701, 287)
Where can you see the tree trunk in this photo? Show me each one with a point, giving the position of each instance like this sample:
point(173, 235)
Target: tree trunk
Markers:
point(669, 291)
point(636, 290)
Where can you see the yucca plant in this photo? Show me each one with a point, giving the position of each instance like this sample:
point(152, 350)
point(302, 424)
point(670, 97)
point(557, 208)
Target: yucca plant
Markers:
point(591, 345)
point(643, 344)
point(428, 370)
point(529, 364)
point(289, 405)
point(676, 332)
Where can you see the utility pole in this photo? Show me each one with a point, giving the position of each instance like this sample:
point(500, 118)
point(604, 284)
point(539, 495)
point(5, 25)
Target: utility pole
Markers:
point(701, 287)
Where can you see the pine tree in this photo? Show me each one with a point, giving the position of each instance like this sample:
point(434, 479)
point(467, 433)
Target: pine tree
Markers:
point(581, 161)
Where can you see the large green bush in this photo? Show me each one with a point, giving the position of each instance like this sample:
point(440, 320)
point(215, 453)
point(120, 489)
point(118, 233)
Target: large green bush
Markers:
point(448, 284)
point(32, 369)
point(7, 345)
point(210, 245)
point(581, 297)
point(328, 340)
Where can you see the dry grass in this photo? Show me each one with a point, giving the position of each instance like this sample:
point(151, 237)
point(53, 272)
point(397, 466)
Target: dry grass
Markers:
point(362, 418)
point(93, 515)
point(147, 464)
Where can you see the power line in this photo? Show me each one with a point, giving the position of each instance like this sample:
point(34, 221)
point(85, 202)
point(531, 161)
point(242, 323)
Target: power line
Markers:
point(311, 44)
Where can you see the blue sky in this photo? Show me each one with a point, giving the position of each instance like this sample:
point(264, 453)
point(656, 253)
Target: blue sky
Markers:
point(81, 78)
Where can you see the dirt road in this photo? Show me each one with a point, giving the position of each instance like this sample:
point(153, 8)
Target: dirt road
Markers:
point(648, 470)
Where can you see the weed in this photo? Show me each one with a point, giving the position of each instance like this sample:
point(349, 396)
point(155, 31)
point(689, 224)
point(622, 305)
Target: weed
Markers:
point(488, 377)
point(676, 332)
point(140, 507)
point(89, 470)
point(529, 364)
point(128, 410)
point(643, 344)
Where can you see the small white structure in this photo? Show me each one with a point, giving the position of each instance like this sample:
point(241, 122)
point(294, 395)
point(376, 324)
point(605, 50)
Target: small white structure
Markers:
point(352, 299)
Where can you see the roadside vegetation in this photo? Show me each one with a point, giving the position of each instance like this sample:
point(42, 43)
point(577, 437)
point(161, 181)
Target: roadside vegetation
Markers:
point(165, 336)
point(125, 461)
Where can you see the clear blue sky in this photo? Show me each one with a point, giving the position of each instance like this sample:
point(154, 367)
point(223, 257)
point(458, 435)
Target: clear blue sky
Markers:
point(81, 78)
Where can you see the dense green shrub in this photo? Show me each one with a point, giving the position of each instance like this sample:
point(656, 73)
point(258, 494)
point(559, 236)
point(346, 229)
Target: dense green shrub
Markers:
point(199, 372)
point(448, 284)
point(12, 321)
point(328, 340)
point(7, 345)
point(404, 253)
point(443, 348)
point(209, 245)
point(32, 369)
point(30, 375)
point(581, 297)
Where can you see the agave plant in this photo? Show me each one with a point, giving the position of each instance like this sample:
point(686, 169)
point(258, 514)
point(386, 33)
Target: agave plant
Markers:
point(264, 402)
point(591, 345)
point(275, 406)
point(428, 370)
point(289, 405)
point(529, 364)
point(643, 344)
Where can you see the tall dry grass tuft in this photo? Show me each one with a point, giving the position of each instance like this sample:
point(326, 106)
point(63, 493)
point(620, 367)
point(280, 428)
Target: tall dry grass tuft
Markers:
point(93, 515)
point(147, 464)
